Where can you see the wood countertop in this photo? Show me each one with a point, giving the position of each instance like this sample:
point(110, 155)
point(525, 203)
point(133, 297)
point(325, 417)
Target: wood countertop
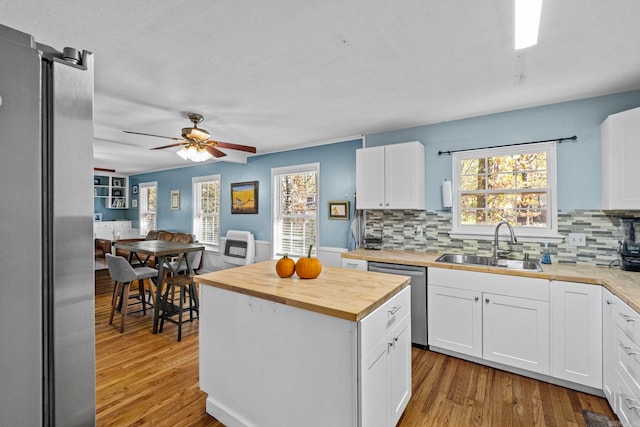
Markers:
point(624, 284)
point(339, 292)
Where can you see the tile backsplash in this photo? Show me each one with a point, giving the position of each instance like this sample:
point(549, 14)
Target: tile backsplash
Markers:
point(603, 231)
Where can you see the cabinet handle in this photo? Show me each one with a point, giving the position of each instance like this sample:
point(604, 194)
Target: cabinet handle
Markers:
point(394, 309)
point(627, 317)
point(628, 401)
point(628, 350)
point(609, 302)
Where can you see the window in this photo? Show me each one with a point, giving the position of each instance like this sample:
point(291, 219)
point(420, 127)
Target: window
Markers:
point(295, 209)
point(516, 184)
point(206, 209)
point(148, 206)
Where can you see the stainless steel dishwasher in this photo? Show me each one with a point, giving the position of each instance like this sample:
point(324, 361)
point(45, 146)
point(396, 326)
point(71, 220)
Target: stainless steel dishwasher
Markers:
point(418, 296)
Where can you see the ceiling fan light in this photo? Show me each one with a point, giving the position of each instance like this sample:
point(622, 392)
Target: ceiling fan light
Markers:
point(527, 22)
point(195, 134)
point(194, 154)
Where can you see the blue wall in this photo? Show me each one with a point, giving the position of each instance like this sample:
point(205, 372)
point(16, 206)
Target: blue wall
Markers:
point(578, 164)
point(337, 182)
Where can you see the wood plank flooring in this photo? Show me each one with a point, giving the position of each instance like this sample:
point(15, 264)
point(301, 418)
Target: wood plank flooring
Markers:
point(152, 380)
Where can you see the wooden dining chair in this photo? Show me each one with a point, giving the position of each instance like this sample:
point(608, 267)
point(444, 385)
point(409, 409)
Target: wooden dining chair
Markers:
point(124, 275)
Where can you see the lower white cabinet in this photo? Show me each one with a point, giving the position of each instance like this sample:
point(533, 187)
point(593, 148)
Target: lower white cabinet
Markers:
point(264, 363)
point(113, 230)
point(576, 333)
point(498, 318)
point(355, 264)
point(625, 354)
point(455, 319)
point(516, 332)
point(385, 365)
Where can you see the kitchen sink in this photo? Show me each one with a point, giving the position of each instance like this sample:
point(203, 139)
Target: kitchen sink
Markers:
point(512, 264)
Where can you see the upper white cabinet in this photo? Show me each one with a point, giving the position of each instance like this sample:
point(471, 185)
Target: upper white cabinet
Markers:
point(620, 138)
point(391, 177)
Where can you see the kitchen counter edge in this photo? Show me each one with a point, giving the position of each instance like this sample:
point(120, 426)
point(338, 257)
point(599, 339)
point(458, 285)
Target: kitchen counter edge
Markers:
point(623, 284)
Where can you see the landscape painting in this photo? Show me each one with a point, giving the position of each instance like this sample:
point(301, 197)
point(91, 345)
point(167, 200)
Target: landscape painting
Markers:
point(244, 197)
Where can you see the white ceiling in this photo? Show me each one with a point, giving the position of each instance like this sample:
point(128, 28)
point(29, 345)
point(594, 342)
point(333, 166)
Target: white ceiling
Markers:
point(281, 74)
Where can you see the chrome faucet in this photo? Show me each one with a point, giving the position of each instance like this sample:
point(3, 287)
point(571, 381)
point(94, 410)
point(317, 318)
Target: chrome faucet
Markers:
point(500, 252)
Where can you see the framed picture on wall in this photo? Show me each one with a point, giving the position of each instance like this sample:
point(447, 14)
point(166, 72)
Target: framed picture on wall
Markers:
point(97, 216)
point(134, 189)
point(175, 200)
point(339, 209)
point(244, 197)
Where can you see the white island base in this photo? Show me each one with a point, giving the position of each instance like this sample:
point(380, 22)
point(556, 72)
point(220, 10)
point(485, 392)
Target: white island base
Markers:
point(265, 363)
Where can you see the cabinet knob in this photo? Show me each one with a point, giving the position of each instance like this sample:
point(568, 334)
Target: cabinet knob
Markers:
point(486, 300)
point(609, 302)
point(476, 298)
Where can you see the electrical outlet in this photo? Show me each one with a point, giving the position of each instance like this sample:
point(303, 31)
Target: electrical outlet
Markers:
point(419, 231)
point(577, 239)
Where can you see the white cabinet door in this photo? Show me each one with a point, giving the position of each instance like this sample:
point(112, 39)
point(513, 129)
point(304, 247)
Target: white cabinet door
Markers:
point(455, 319)
point(609, 377)
point(103, 230)
point(404, 176)
point(370, 178)
point(516, 332)
point(399, 369)
point(374, 366)
point(576, 333)
point(619, 154)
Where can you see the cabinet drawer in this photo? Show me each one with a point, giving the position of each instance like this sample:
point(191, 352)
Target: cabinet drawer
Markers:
point(502, 284)
point(355, 264)
point(103, 225)
point(627, 360)
point(628, 406)
point(374, 327)
point(628, 320)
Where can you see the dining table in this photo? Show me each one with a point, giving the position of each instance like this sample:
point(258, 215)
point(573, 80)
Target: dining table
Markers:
point(160, 250)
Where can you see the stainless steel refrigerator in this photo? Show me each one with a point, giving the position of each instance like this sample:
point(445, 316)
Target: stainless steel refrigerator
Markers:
point(47, 348)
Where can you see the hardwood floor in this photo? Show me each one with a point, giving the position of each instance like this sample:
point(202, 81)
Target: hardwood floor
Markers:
point(152, 380)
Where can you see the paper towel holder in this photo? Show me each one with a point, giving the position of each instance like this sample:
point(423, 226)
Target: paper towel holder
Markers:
point(447, 198)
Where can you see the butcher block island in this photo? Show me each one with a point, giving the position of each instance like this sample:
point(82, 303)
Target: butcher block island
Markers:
point(330, 351)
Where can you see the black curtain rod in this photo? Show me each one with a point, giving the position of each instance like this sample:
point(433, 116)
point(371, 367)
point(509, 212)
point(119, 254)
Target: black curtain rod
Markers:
point(560, 140)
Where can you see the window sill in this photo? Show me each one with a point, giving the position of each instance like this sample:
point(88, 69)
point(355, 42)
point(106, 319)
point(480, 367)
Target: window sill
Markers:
point(546, 238)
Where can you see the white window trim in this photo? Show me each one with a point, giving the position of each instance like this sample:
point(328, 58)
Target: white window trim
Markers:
point(525, 234)
point(141, 187)
point(194, 181)
point(284, 170)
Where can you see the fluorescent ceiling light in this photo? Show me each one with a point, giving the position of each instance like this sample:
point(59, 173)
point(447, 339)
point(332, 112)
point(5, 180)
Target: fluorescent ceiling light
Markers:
point(527, 21)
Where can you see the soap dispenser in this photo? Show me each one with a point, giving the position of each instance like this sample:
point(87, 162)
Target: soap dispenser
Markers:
point(546, 257)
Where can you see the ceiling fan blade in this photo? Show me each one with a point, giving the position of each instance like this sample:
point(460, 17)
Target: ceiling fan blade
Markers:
point(149, 134)
point(246, 148)
point(214, 151)
point(167, 146)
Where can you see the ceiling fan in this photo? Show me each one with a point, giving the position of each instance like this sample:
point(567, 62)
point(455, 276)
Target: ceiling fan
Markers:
point(196, 143)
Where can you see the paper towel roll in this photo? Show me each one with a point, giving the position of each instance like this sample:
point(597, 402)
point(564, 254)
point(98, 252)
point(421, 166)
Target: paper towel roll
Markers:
point(446, 194)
